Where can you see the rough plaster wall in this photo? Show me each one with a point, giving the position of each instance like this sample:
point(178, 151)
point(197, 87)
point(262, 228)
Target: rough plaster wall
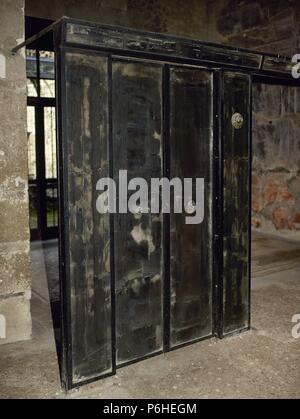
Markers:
point(268, 25)
point(276, 158)
point(271, 25)
point(185, 18)
point(14, 235)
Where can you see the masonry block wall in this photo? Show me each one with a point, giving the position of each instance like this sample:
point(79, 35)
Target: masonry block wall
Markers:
point(186, 18)
point(276, 158)
point(266, 25)
point(14, 232)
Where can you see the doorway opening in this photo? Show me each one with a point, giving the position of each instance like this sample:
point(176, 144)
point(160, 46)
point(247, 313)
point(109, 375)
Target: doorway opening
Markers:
point(41, 135)
point(42, 183)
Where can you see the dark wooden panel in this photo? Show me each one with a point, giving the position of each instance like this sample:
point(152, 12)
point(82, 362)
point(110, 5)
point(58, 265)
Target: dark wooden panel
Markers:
point(191, 137)
point(97, 35)
point(85, 153)
point(278, 65)
point(137, 142)
point(236, 203)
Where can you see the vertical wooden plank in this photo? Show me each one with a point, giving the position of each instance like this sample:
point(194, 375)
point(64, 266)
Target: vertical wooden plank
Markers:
point(137, 136)
point(236, 137)
point(191, 142)
point(85, 151)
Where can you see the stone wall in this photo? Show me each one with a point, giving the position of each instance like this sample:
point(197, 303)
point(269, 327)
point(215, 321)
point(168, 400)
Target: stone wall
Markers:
point(276, 158)
point(186, 18)
point(14, 233)
point(268, 25)
point(272, 26)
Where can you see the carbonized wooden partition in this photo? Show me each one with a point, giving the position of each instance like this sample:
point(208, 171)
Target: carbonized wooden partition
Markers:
point(138, 285)
point(191, 156)
point(236, 203)
point(133, 286)
point(137, 124)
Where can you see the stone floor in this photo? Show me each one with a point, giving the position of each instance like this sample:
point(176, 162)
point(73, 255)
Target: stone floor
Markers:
point(263, 363)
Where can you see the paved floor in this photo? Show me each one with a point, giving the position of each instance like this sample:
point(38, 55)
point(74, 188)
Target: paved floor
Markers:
point(262, 363)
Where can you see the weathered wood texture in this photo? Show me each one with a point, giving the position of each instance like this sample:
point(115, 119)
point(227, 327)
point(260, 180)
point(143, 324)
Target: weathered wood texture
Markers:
point(191, 136)
point(117, 38)
point(236, 203)
point(137, 142)
point(87, 232)
point(135, 42)
point(131, 98)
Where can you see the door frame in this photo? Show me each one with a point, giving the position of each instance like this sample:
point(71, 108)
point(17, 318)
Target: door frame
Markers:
point(43, 232)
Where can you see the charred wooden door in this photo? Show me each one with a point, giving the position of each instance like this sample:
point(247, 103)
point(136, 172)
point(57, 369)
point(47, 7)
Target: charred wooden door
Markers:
point(236, 110)
point(137, 142)
point(191, 145)
point(85, 234)
point(135, 284)
point(143, 143)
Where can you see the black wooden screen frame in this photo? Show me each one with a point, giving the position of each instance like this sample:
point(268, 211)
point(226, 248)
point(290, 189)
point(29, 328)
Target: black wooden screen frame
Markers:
point(132, 44)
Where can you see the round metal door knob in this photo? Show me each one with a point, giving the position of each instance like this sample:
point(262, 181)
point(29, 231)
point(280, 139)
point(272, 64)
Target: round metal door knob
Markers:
point(237, 120)
point(190, 207)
